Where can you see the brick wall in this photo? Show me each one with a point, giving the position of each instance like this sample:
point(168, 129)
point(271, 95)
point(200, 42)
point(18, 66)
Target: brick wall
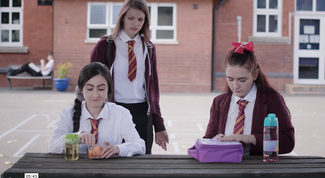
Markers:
point(185, 67)
point(37, 36)
point(273, 58)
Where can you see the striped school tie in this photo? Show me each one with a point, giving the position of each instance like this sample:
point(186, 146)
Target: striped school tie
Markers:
point(94, 127)
point(240, 120)
point(132, 73)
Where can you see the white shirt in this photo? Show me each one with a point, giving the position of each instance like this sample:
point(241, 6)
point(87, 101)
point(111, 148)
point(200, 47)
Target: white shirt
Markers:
point(49, 69)
point(126, 91)
point(116, 124)
point(233, 112)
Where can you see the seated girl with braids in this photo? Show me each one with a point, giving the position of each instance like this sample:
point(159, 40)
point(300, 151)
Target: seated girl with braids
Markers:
point(91, 107)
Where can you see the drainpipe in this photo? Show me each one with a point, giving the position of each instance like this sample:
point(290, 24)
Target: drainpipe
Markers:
point(53, 27)
point(239, 28)
point(213, 41)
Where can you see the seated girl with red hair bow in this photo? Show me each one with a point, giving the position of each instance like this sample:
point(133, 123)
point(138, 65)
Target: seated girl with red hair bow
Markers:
point(238, 114)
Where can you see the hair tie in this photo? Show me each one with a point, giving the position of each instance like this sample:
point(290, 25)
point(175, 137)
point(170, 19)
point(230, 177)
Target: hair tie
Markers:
point(78, 94)
point(239, 47)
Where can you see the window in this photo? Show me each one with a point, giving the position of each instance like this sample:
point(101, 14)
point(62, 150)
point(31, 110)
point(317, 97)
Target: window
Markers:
point(162, 21)
point(11, 23)
point(310, 5)
point(267, 18)
point(102, 19)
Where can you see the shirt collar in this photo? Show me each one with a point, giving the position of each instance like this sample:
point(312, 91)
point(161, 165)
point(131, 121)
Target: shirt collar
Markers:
point(125, 38)
point(86, 115)
point(250, 97)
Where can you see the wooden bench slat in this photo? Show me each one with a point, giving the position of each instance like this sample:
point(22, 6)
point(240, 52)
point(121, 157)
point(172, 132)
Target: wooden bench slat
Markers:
point(101, 165)
point(172, 172)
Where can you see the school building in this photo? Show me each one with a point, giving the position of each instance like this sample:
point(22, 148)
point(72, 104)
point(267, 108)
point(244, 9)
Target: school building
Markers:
point(192, 38)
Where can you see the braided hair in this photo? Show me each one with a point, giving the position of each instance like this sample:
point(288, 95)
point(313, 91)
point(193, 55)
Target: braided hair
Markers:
point(86, 73)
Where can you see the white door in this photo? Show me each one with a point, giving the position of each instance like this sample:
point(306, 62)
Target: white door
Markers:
point(309, 49)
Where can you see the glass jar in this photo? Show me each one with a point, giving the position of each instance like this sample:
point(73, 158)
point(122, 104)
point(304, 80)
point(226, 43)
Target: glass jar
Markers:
point(71, 147)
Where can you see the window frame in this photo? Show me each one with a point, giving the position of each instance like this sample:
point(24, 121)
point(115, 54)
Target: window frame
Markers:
point(11, 26)
point(268, 12)
point(313, 11)
point(154, 22)
point(109, 26)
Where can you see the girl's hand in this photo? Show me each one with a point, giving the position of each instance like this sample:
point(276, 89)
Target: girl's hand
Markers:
point(87, 138)
point(217, 137)
point(247, 139)
point(109, 150)
point(162, 139)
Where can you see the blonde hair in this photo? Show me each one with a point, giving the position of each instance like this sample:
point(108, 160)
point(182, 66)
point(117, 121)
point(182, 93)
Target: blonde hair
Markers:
point(137, 4)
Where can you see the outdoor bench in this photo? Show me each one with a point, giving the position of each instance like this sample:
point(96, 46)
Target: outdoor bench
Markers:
point(26, 76)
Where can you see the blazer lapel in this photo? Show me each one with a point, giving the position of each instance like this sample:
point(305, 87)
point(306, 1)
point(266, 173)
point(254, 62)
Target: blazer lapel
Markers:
point(224, 109)
point(260, 109)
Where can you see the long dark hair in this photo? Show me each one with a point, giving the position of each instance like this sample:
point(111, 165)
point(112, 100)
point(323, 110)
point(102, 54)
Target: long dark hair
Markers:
point(248, 61)
point(137, 4)
point(86, 73)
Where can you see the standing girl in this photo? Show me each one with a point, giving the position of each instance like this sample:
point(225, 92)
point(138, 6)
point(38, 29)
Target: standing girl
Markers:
point(95, 120)
point(250, 97)
point(134, 70)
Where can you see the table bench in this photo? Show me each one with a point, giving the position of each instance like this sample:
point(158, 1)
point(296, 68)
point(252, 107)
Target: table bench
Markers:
point(26, 76)
point(54, 165)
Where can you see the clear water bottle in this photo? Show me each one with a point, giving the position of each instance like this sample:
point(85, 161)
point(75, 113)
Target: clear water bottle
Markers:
point(271, 139)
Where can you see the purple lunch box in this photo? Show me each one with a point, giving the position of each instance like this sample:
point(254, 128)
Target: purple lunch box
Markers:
point(212, 150)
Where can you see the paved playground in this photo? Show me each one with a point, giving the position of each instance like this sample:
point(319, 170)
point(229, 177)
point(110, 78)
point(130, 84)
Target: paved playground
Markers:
point(28, 118)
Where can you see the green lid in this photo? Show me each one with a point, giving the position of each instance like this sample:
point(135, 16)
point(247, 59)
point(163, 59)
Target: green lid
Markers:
point(71, 136)
point(271, 120)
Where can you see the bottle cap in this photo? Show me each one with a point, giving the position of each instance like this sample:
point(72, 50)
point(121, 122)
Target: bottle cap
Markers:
point(71, 136)
point(271, 120)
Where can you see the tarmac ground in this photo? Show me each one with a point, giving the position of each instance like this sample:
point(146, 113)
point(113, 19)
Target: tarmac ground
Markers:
point(28, 118)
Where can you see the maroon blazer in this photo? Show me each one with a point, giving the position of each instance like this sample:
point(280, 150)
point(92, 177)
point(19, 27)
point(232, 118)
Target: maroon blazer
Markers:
point(265, 103)
point(151, 78)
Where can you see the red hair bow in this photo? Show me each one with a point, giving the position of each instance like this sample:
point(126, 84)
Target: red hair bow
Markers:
point(239, 47)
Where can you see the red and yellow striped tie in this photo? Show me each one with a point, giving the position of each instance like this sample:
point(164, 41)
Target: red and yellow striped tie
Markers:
point(94, 127)
point(240, 120)
point(132, 73)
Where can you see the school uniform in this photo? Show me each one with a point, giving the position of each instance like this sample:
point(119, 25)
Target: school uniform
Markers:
point(256, 110)
point(116, 124)
point(141, 96)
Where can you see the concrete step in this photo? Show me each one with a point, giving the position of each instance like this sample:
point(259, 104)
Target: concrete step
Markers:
point(305, 89)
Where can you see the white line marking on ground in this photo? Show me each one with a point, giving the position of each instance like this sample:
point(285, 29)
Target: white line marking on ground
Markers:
point(34, 131)
point(25, 146)
point(170, 124)
point(294, 153)
point(183, 130)
point(185, 117)
point(176, 148)
point(51, 124)
point(200, 126)
point(194, 133)
point(172, 135)
point(47, 116)
point(17, 126)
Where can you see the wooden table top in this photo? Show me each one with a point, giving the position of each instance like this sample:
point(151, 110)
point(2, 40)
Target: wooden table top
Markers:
point(51, 165)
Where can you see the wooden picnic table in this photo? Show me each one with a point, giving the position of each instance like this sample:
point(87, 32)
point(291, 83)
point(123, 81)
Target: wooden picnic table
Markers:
point(54, 165)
